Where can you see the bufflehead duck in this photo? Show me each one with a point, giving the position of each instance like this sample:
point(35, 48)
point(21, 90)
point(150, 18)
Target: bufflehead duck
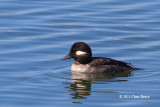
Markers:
point(84, 62)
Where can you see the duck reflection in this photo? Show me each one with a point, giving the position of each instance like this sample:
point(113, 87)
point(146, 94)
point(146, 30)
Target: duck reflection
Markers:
point(82, 82)
point(81, 88)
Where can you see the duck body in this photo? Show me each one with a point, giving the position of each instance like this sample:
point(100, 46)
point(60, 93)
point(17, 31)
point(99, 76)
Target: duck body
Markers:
point(100, 65)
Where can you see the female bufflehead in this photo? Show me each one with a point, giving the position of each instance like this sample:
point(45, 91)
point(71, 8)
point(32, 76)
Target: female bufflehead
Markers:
point(84, 62)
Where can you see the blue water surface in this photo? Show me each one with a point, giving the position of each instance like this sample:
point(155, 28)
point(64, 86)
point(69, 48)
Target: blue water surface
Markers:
point(36, 34)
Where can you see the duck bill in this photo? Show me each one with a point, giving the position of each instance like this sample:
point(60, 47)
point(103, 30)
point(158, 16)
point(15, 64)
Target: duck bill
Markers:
point(68, 56)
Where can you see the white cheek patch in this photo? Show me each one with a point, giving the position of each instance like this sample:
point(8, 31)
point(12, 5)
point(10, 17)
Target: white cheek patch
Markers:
point(80, 53)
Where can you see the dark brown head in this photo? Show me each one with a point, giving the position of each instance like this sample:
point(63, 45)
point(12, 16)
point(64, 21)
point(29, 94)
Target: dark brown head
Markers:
point(81, 52)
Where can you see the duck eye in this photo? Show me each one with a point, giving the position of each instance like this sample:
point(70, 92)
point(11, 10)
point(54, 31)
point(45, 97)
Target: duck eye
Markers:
point(74, 49)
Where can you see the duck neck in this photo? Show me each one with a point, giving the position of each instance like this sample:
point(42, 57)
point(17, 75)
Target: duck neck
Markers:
point(84, 60)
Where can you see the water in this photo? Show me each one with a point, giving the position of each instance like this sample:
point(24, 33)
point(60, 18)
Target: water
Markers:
point(34, 35)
